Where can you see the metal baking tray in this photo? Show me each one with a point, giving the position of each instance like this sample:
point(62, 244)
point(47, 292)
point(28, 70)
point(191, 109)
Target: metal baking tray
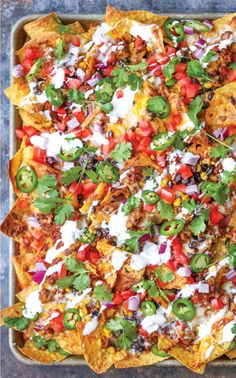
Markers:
point(18, 38)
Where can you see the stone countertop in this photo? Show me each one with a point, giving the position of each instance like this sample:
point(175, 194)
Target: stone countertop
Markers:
point(12, 10)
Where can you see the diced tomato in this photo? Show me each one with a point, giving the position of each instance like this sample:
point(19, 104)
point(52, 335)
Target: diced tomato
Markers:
point(39, 155)
point(192, 90)
point(231, 130)
point(73, 83)
point(111, 58)
point(88, 188)
point(76, 41)
point(27, 64)
point(170, 265)
point(170, 126)
point(141, 331)
point(32, 53)
point(145, 128)
point(107, 148)
point(216, 304)
point(133, 137)
point(177, 245)
point(170, 50)
point(23, 204)
point(182, 44)
point(63, 271)
point(153, 65)
point(160, 284)
point(82, 253)
point(108, 71)
point(179, 258)
point(161, 159)
point(180, 188)
point(162, 58)
point(48, 67)
point(29, 130)
point(176, 119)
point(117, 298)
point(185, 171)
point(143, 145)
point(61, 126)
point(80, 116)
point(167, 194)
point(181, 67)
point(119, 93)
point(75, 216)
point(233, 280)
point(75, 188)
point(138, 41)
point(190, 280)
point(215, 216)
point(127, 293)
point(149, 208)
point(93, 257)
point(57, 324)
point(20, 133)
point(232, 75)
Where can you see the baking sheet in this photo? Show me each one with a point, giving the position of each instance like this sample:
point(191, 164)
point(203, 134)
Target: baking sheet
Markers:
point(18, 38)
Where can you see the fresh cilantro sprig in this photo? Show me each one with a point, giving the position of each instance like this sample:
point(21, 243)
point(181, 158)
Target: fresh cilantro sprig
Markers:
point(121, 77)
point(34, 69)
point(131, 204)
point(190, 206)
point(80, 280)
point(232, 254)
point(122, 152)
point(127, 330)
point(132, 244)
point(217, 190)
point(219, 152)
point(195, 69)
point(165, 210)
point(152, 288)
point(164, 276)
point(20, 323)
point(169, 69)
point(102, 293)
point(59, 49)
point(195, 107)
point(76, 96)
point(198, 223)
point(51, 345)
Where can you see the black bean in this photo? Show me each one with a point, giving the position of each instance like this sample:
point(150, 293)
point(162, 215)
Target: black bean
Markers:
point(201, 239)
point(209, 170)
point(197, 177)
point(192, 245)
point(51, 160)
point(110, 134)
point(185, 59)
point(95, 313)
point(205, 105)
point(178, 179)
point(232, 100)
point(210, 95)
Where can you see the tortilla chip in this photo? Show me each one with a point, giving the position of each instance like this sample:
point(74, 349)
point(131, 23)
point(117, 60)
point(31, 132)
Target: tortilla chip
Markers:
point(96, 196)
point(99, 359)
point(114, 15)
point(12, 311)
point(143, 359)
point(17, 92)
point(43, 356)
point(231, 354)
point(106, 271)
point(140, 160)
point(70, 341)
point(23, 294)
point(37, 120)
point(21, 265)
point(221, 24)
point(222, 111)
point(13, 225)
point(127, 277)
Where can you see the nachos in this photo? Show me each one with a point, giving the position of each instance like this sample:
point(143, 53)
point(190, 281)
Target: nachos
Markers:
point(125, 212)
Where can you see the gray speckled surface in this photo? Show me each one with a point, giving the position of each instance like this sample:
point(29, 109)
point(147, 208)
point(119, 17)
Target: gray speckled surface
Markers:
point(11, 11)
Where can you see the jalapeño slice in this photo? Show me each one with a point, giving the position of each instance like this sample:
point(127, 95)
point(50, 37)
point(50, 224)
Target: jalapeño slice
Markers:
point(26, 179)
point(174, 29)
point(148, 308)
point(172, 227)
point(150, 197)
point(70, 318)
point(107, 172)
point(70, 155)
point(197, 25)
point(162, 141)
point(184, 309)
point(200, 262)
point(159, 352)
point(55, 96)
point(87, 237)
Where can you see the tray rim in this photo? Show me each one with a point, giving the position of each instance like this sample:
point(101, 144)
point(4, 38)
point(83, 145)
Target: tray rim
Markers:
point(17, 28)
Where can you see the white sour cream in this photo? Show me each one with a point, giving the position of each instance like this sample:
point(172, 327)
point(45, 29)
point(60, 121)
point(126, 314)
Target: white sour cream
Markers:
point(122, 105)
point(90, 326)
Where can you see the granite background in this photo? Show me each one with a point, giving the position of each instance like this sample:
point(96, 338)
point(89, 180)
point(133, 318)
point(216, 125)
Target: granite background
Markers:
point(11, 11)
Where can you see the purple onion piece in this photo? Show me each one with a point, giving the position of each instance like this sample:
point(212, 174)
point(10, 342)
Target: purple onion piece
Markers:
point(225, 221)
point(72, 123)
point(208, 23)
point(17, 71)
point(38, 277)
point(221, 133)
point(184, 271)
point(191, 189)
point(133, 303)
point(198, 53)
point(188, 29)
point(200, 42)
point(144, 238)
point(231, 274)
point(162, 249)
point(92, 81)
point(204, 288)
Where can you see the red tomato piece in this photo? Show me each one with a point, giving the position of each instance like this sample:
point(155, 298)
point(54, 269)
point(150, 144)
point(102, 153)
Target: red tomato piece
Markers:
point(76, 41)
point(107, 148)
point(141, 331)
point(108, 71)
point(216, 304)
point(32, 53)
point(75, 188)
point(93, 257)
point(180, 188)
point(176, 119)
point(80, 116)
point(192, 90)
point(57, 324)
point(149, 208)
point(181, 67)
point(63, 271)
point(73, 83)
point(39, 155)
point(20, 133)
point(232, 75)
point(117, 298)
point(145, 128)
point(170, 50)
point(36, 232)
point(75, 216)
point(37, 244)
point(215, 216)
point(61, 126)
point(23, 204)
point(167, 194)
point(29, 130)
point(27, 64)
point(111, 58)
point(185, 171)
point(119, 93)
point(127, 293)
point(88, 188)
point(231, 130)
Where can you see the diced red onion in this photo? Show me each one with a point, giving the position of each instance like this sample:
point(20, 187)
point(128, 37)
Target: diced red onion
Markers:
point(198, 53)
point(33, 222)
point(108, 304)
point(162, 249)
point(231, 274)
point(190, 159)
point(133, 303)
point(124, 200)
point(92, 81)
point(190, 189)
point(225, 221)
point(184, 271)
point(80, 74)
point(200, 42)
point(40, 266)
point(208, 23)
point(144, 238)
point(188, 29)
point(38, 277)
point(37, 329)
point(72, 123)
point(221, 133)
point(98, 128)
point(209, 253)
point(203, 288)
point(17, 71)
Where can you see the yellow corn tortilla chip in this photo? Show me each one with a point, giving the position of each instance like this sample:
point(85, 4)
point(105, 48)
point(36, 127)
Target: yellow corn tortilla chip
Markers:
point(70, 341)
point(220, 24)
point(140, 160)
point(114, 15)
point(12, 311)
point(37, 120)
point(13, 225)
point(99, 359)
point(44, 356)
point(127, 277)
point(231, 354)
point(23, 294)
point(17, 92)
point(143, 359)
point(222, 111)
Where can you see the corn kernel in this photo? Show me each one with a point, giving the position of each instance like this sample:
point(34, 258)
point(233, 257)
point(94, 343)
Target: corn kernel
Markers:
point(83, 312)
point(164, 181)
point(207, 161)
point(213, 178)
point(177, 202)
point(111, 350)
point(203, 175)
point(208, 85)
point(213, 162)
point(83, 65)
point(185, 197)
point(198, 168)
point(130, 313)
point(107, 333)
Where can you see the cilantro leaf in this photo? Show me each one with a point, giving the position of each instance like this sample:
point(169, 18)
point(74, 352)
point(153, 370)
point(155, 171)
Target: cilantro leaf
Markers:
point(76, 96)
point(137, 67)
point(134, 81)
point(39, 342)
point(59, 49)
point(165, 210)
point(73, 265)
point(128, 331)
point(209, 56)
point(20, 323)
point(233, 329)
point(81, 282)
point(190, 206)
point(169, 69)
point(153, 290)
point(45, 205)
point(195, 69)
point(122, 152)
point(120, 77)
point(216, 190)
point(132, 244)
point(102, 293)
point(63, 212)
point(53, 346)
point(219, 151)
point(131, 204)
point(65, 282)
point(164, 275)
point(93, 176)
point(71, 175)
point(106, 107)
point(195, 107)
point(47, 186)
point(143, 284)
point(227, 177)
point(105, 92)
point(232, 254)
point(34, 69)
point(197, 225)
point(63, 29)
point(178, 142)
